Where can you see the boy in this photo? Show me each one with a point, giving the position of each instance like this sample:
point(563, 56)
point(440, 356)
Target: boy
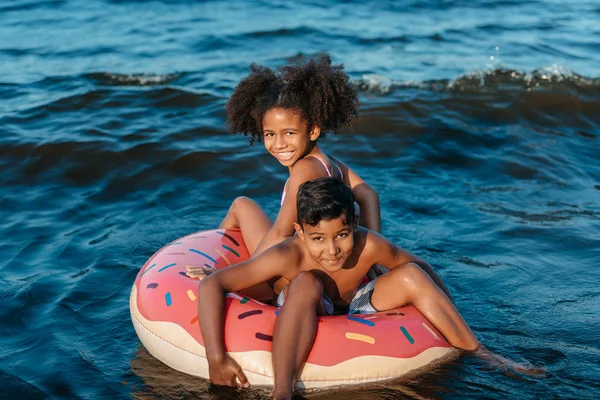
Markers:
point(325, 264)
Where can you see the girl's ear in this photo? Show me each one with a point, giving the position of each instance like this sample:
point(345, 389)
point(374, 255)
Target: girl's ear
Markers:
point(315, 132)
point(299, 231)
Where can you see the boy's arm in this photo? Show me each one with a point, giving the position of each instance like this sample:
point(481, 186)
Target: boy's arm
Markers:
point(283, 227)
point(223, 370)
point(392, 256)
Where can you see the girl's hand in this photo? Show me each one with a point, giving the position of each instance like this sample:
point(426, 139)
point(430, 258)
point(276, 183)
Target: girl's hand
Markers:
point(198, 272)
point(227, 372)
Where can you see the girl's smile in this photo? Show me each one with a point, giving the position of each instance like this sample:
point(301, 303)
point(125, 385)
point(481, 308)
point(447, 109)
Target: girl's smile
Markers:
point(287, 136)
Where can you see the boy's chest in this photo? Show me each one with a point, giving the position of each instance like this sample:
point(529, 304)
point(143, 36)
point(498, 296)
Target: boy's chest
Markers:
point(342, 285)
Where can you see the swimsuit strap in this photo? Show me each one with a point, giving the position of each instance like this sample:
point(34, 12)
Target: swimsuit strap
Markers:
point(326, 169)
point(322, 162)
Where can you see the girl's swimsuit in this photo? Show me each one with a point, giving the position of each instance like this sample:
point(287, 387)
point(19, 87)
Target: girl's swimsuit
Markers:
point(326, 169)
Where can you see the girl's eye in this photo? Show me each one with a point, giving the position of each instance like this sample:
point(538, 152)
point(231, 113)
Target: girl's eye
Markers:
point(269, 134)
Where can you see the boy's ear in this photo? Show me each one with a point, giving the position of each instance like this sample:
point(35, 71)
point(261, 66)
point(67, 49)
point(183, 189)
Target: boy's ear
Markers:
point(315, 132)
point(299, 231)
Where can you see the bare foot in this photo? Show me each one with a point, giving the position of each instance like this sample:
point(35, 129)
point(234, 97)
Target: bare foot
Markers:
point(198, 272)
point(500, 362)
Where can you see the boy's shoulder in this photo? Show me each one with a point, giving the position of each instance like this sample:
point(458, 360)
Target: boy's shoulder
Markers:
point(368, 241)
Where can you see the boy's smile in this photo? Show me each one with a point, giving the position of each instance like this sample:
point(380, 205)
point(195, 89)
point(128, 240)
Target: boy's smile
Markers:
point(330, 243)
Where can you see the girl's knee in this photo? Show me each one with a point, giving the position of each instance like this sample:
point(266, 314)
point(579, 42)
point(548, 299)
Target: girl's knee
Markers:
point(242, 202)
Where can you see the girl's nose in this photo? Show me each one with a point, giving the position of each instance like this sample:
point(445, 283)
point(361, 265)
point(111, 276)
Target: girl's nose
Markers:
point(280, 142)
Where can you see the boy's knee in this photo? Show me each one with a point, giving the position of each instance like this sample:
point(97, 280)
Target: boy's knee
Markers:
point(307, 284)
point(411, 274)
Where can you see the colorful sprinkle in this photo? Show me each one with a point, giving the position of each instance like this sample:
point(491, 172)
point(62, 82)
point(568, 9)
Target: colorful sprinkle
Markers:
point(223, 256)
point(208, 266)
point(229, 237)
point(408, 337)
point(249, 313)
point(359, 337)
point(182, 273)
point(148, 269)
point(191, 295)
point(277, 312)
point(168, 299)
point(362, 321)
point(203, 254)
point(152, 286)
point(262, 336)
point(244, 300)
point(167, 266)
point(430, 331)
point(394, 313)
point(173, 244)
point(230, 249)
point(194, 320)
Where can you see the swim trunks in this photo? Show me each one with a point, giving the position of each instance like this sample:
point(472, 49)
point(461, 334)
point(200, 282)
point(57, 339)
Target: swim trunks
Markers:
point(360, 304)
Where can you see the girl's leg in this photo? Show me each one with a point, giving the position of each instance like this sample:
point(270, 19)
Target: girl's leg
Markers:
point(409, 284)
point(249, 217)
point(295, 331)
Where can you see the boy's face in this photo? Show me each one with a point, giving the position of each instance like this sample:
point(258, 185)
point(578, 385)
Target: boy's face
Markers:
point(330, 243)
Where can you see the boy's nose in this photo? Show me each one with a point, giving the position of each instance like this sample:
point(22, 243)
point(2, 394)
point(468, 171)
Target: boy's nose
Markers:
point(333, 248)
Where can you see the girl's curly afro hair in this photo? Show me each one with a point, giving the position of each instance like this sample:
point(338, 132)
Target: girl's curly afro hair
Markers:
point(321, 92)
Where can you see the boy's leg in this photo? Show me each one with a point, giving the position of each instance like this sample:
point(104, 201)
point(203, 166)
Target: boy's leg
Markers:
point(249, 217)
point(295, 331)
point(409, 284)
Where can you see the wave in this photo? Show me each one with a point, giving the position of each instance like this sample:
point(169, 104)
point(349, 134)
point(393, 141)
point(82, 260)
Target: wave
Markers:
point(489, 81)
point(140, 79)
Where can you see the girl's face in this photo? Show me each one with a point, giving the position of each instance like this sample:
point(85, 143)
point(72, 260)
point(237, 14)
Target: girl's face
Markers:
point(287, 136)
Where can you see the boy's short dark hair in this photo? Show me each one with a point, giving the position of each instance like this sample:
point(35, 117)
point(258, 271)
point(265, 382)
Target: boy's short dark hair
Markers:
point(324, 199)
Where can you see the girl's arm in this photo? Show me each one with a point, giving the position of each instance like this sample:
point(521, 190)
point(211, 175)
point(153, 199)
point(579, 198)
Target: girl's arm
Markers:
point(284, 224)
point(366, 197)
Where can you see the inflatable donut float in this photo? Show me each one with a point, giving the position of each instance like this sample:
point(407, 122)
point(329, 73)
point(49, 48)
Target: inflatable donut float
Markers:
point(347, 350)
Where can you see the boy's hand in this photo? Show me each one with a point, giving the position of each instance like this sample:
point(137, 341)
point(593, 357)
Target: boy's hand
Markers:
point(227, 372)
point(198, 272)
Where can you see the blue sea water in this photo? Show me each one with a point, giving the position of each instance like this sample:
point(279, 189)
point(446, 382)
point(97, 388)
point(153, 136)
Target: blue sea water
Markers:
point(479, 127)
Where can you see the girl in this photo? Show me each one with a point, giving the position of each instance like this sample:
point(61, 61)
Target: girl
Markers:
point(289, 110)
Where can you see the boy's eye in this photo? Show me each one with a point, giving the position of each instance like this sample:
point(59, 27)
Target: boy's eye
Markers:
point(317, 238)
point(342, 235)
point(289, 133)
